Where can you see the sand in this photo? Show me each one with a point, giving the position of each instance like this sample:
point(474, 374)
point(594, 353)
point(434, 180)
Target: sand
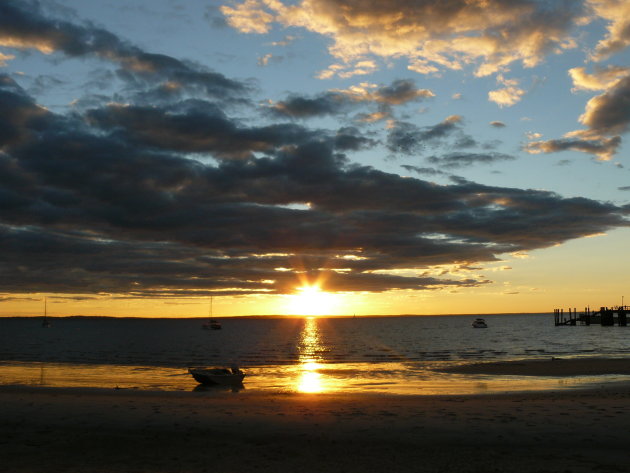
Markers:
point(548, 367)
point(90, 430)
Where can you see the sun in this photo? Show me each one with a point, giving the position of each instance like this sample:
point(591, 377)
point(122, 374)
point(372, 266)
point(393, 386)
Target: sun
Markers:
point(311, 300)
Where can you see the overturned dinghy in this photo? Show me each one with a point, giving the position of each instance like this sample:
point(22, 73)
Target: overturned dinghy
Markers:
point(218, 376)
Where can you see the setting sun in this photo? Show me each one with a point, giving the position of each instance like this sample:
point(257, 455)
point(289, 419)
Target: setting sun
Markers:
point(311, 300)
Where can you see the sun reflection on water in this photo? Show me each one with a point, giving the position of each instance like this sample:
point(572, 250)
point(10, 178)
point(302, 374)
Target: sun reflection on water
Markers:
point(310, 380)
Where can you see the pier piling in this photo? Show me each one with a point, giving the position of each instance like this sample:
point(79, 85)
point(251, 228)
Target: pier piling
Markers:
point(605, 316)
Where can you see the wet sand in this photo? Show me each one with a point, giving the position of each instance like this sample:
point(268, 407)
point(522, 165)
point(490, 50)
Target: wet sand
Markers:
point(90, 430)
point(548, 367)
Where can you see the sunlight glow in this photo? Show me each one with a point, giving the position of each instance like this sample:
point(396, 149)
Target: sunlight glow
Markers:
point(310, 382)
point(311, 300)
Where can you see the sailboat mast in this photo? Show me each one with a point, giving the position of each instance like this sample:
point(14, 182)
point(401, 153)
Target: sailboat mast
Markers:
point(45, 322)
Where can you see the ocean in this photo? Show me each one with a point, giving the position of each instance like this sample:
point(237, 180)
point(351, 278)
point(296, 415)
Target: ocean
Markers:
point(393, 355)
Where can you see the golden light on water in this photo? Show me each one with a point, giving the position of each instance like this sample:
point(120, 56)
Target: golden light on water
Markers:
point(310, 380)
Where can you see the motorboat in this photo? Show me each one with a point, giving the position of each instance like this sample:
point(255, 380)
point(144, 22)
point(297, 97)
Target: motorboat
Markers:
point(479, 323)
point(218, 376)
point(212, 325)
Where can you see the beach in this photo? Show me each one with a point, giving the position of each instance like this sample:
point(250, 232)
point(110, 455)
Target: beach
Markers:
point(547, 367)
point(126, 430)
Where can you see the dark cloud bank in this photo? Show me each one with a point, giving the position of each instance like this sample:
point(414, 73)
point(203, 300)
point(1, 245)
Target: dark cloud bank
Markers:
point(181, 199)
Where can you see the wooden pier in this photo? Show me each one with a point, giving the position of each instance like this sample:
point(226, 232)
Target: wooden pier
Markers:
point(605, 316)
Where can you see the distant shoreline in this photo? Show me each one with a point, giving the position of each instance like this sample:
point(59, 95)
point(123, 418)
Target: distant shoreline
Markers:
point(271, 316)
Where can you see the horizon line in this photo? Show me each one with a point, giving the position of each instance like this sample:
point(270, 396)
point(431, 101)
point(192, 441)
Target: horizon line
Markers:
point(192, 317)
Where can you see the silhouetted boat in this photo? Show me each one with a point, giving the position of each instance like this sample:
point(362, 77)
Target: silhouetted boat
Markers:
point(215, 325)
point(212, 324)
point(479, 323)
point(218, 376)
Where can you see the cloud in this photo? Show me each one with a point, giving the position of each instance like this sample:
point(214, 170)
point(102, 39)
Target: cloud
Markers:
point(492, 34)
point(606, 116)
point(601, 79)
point(609, 113)
point(460, 160)
point(298, 106)
point(24, 26)
point(400, 92)
point(21, 117)
point(338, 101)
point(289, 39)
point(346, 70)
point(263, 61)
point(424, 170)
point(508, 95)
point(248, 17)
point(4, 58)
point(351, 139)
point(407, 138)
point(193, 126)
point(617, 13)
point(601, 147)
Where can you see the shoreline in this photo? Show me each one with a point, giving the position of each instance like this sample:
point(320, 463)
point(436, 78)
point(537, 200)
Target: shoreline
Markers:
point(463, 378)
point(556, 367)
point(86, 430)
point(596, 386)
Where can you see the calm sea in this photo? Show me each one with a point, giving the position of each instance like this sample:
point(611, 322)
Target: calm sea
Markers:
point(396, 355)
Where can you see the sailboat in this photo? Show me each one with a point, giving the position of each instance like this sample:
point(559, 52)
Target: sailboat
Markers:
point(211, 324)
point(46, 323)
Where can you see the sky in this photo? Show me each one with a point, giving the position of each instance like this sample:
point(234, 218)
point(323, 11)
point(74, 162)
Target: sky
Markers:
point(313, 156)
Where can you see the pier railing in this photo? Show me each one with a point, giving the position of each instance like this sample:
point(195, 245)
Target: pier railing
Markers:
point(605, 316)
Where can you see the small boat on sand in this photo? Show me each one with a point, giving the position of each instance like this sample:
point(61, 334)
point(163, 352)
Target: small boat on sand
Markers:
point(218, 376)
point(479, 323)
